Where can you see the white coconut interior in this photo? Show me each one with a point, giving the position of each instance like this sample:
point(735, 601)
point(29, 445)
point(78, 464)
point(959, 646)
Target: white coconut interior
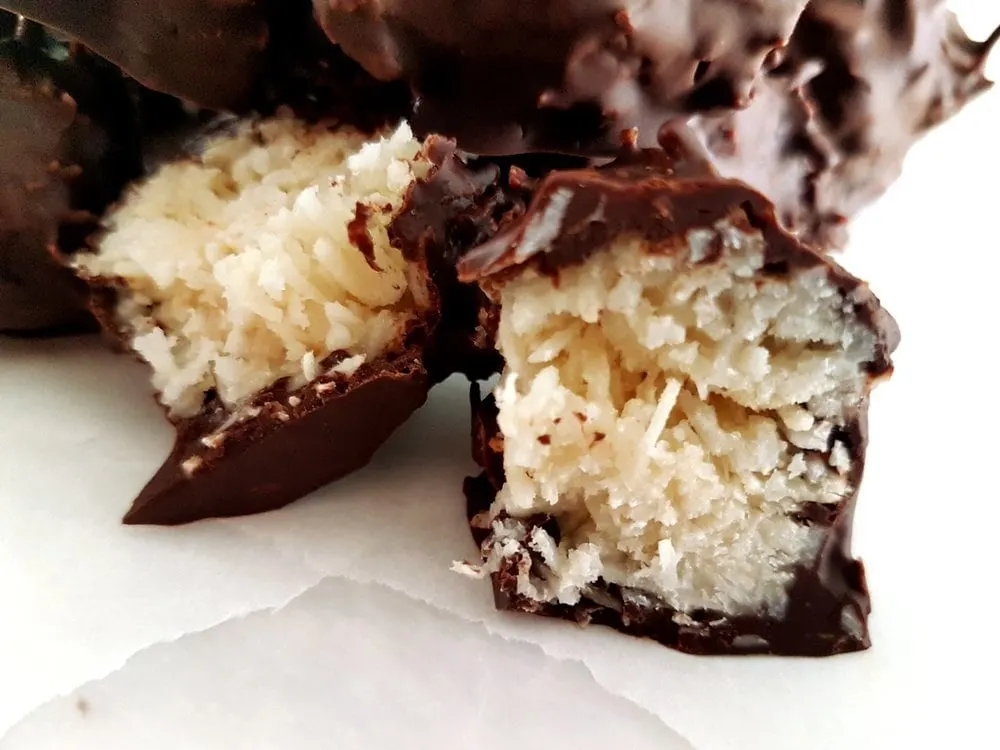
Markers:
point(671, 417)
point(238, 265)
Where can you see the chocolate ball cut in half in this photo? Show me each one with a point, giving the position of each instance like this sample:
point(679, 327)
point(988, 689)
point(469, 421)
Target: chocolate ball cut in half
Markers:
point(282, 286)
point(677, 440)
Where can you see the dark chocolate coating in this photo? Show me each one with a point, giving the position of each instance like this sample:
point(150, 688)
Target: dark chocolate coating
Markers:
point(303, 71)
point(228, 55)
point(283, 444)
point(209, 52)
point(509, 76)
point(828, 129)
point(68, 149)
point(464, 205)
point(659, 196)
point(284, 452)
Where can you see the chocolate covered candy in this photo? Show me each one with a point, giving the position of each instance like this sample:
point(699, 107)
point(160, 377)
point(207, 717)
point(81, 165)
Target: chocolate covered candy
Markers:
point(678, 437)
point(209, 52)
point(228, 55)
point(68, 148)
point(507, 76)
point(284, 285)
point(860, 83)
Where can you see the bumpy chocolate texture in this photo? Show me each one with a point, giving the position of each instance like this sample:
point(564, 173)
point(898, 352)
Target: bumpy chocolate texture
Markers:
point(288, 439)
point(828, 129)
point(508, 76)
point(677, 441)
point(68, 149)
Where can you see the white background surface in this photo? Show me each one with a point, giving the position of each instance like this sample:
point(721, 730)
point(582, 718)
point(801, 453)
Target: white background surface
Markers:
point(336, 623)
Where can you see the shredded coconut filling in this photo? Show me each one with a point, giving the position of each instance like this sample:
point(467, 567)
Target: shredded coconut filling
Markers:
point(672, 417)
point(239, 268)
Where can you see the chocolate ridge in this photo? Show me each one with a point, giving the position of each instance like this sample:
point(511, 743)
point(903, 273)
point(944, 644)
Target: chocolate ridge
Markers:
point(463, 205)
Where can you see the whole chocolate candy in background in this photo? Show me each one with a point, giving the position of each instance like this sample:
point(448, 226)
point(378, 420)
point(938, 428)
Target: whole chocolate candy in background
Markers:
point(816, 108)
point(508, 76)
point(67, 152)
point(305, 72)
point(206, 51)
point(828, 129)
point(227, 55)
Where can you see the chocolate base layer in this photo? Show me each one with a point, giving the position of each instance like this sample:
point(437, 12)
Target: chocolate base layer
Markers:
point(289, 444)
point(828, 607)
point(68, 149)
